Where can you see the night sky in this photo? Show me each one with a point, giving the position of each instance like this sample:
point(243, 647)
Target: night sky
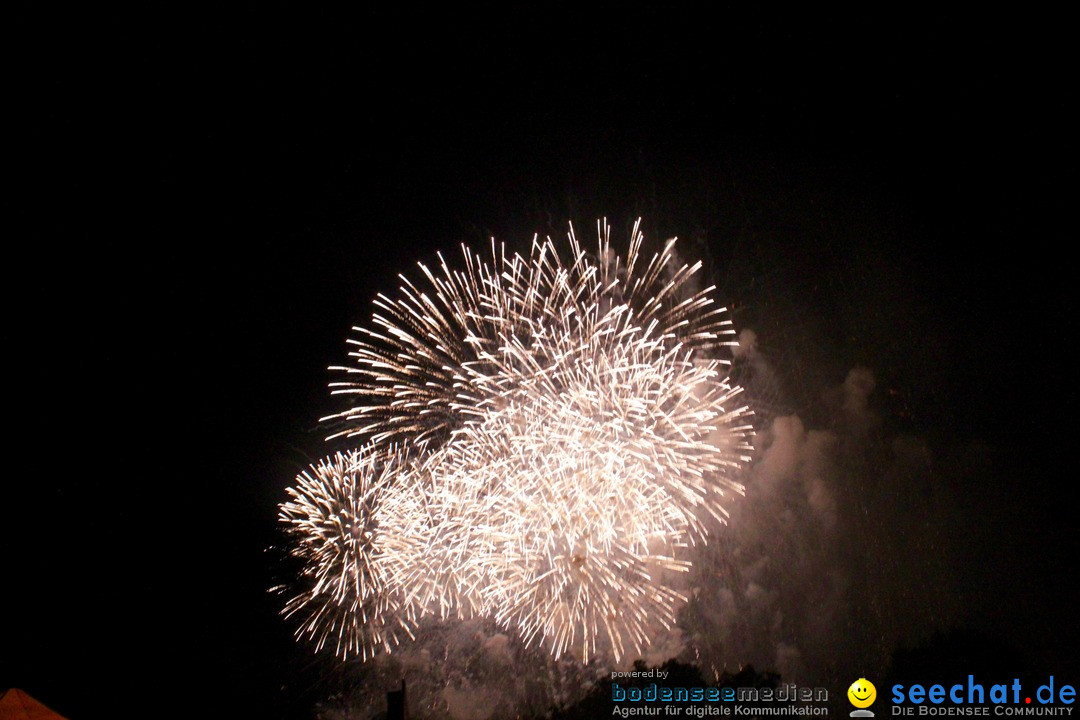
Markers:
point(204, 204)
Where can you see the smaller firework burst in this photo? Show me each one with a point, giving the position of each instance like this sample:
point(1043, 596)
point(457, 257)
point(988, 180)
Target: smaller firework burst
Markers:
point(349, 599)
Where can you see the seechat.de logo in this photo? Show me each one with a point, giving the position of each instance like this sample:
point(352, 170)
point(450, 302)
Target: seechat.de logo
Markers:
point(975, 698)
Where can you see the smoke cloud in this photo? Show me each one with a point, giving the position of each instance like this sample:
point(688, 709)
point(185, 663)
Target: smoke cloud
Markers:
point(851, 541)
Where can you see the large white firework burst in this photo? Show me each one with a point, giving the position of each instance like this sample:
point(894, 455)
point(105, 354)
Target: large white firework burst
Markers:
point(571, 432)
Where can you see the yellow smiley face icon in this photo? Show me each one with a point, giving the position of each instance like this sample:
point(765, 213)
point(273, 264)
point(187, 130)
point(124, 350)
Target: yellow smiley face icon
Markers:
point(862, 693)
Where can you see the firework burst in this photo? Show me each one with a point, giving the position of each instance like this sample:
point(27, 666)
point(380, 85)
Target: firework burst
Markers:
point(333, 518)
point(571, 433)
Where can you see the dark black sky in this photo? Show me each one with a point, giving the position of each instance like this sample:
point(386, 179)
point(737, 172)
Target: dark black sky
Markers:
point(206, 202)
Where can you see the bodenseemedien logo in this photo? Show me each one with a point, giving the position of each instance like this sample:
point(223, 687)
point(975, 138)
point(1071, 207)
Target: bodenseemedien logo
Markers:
point(862, 694)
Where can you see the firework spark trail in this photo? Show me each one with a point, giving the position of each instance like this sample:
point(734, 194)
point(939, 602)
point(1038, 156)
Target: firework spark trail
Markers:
point(333, 519)
point(424, 370)
point(571, 434)
point(601, 469)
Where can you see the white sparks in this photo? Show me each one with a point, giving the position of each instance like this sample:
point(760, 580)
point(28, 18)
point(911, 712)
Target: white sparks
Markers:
point(570, 433)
